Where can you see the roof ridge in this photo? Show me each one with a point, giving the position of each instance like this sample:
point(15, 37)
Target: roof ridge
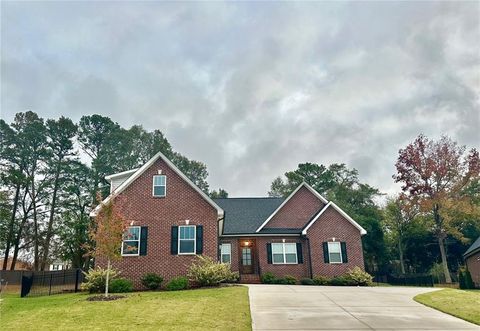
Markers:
point(248, 198)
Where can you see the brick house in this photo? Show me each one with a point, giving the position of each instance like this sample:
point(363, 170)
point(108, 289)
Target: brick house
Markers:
point(172, 220)
point(472, 260)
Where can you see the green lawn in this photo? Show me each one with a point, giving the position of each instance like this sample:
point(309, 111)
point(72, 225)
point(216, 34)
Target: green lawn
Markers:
point(464, 304)
point(224, 308)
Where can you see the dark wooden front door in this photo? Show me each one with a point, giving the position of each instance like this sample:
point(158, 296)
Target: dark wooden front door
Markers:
point(247, 256)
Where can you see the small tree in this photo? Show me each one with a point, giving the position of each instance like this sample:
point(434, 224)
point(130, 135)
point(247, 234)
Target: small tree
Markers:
point(107, 232)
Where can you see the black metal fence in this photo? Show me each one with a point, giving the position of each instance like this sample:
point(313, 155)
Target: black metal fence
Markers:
point(406, 280)
point(39, 283)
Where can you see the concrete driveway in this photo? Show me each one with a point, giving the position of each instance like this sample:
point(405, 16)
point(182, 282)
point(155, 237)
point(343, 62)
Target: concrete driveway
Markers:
point(294, 307)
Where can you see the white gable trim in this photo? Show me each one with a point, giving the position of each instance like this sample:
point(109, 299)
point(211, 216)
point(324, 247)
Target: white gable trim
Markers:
point(142, 169)
point(120, 174)
point(303, 184)
point(344, 214)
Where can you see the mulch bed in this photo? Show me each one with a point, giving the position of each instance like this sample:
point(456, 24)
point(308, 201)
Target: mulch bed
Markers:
point(104, 298)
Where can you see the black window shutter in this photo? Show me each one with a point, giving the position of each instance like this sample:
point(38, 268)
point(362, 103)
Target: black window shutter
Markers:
point(299, 253)
point(143, 240)
point(269, 253)
point(343, 246)
point(326, 258)
point(174, 241)
point(199, 233)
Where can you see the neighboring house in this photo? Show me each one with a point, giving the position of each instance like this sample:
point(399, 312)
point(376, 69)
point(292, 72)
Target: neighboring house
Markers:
point(19, 264)
point(172, 220)
point(59, 265)
point(472, 260)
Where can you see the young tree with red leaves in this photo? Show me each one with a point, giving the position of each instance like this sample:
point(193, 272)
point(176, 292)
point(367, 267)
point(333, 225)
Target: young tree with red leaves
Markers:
point(440, 175)
point(107, 233)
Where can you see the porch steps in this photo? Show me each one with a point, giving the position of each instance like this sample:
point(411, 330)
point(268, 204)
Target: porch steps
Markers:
point(250, 279)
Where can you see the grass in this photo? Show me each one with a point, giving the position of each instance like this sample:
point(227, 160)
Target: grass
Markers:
point(464, 304)
point(224, 308)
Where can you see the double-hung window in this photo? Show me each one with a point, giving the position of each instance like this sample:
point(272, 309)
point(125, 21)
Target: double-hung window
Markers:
point(284, 253)
point(226, 253)
point(335, 252)
point(159, 186)
point(186, 239)
point(131, 241)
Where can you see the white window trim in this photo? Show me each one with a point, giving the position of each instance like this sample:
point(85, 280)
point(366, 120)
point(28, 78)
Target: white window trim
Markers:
point(341, 255)
point(222, 254)
point(139, 240)
point(153, 186)
point(194, 239)
point(285, 254)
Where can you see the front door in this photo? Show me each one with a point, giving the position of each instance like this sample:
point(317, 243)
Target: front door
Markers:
point(246, 256)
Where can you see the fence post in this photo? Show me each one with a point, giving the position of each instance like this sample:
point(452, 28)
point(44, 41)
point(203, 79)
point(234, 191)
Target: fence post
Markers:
point(77, 276)
point(50, 288)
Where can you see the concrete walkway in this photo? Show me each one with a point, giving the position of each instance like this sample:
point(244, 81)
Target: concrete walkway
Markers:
point(294, 307)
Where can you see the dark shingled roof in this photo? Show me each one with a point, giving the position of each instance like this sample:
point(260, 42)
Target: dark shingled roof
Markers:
point(475, 247)
point(245, 215)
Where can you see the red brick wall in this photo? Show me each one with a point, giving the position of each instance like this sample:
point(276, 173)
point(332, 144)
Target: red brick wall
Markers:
point(473, 265)
point(297, 211)
point(234, 257)
point(181, 203)
point(332, 224)
point(280, 270)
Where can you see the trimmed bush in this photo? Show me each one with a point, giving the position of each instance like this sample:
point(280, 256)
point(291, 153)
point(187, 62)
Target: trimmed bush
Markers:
point(177, 284)
point(207, 272)
point(358, 277)
point(268, 278)
point(152, 281)
point(307, 281)
point(290, 280)
point(321, 280)
point(120, 285)
point(95, 279)
point(339, 281)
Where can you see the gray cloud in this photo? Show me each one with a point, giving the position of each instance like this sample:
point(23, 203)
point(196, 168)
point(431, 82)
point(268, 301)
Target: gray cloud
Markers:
point(253, 89)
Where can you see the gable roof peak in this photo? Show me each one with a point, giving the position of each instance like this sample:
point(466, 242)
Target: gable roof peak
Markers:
point(302, 184)
point(142, 169)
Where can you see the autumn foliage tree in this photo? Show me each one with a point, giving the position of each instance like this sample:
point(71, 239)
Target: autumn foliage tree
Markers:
point(443, 177)
point(107, 232)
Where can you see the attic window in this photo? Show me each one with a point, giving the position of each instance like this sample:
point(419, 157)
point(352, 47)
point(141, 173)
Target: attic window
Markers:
point(159, 186)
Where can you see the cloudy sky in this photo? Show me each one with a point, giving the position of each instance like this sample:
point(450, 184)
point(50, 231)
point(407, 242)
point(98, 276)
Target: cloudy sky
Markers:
point(253, 89)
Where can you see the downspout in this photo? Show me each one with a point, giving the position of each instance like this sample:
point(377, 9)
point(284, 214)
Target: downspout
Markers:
point(310, 268)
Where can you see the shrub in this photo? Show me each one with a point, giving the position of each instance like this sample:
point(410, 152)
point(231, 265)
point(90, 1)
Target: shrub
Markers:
point(268, 278)
point(461, 279)
point(358, 277)
point(177, 284)
point(207, 272)
point(307, 281)
point(321, 280)
point(468, 280)
point(465, 279)
point(339, 281)
point(120, 285)
point(290, 280)
point(152, 281)
point(95, 279)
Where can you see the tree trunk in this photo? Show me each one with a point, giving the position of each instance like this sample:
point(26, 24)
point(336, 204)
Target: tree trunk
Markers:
point(48, 236)
point(441, 244)
point(400, 253)
point(10, 227)
point(17, 241)
point(108, 276)
point(35, 226)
